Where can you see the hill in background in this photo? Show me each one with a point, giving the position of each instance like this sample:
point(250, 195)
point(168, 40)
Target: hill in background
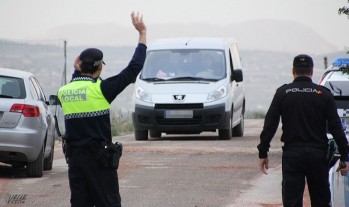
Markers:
point(266, 35)
point(264, 71)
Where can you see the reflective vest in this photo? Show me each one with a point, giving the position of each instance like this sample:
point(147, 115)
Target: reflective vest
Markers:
point(83, 98)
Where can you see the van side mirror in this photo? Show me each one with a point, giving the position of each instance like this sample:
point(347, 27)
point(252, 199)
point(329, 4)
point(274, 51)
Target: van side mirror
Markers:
point(237, 75)
point(53, 100)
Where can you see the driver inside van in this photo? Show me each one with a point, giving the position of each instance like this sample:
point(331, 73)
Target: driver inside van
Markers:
point(210, 67)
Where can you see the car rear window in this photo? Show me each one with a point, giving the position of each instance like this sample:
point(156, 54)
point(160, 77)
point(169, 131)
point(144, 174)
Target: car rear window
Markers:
point(11, 87)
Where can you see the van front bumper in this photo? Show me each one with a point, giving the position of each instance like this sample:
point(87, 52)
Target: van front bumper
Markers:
point(192, 118)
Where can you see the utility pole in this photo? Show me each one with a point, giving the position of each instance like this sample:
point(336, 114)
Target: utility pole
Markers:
point(344, 10)
point(58, 110)
point(64, 78)
point(325, 62)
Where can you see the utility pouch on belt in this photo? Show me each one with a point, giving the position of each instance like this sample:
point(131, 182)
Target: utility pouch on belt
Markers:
point(108, 154)
point(116, 152)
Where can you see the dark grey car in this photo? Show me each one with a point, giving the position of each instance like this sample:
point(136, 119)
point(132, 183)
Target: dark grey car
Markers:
point(27, 132)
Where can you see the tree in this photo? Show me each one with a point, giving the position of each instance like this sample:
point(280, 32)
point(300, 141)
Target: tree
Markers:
point(344, 10)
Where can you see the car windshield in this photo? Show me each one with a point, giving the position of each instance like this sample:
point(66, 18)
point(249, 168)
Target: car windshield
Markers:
point(184, 65)
point(338, 82)
point(338, 88)
point(11, 87)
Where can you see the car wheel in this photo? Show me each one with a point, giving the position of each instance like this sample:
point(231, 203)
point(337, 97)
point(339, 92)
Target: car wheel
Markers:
point(35, 168)
point(238, 131)
point(48, 162)
point(225, 134)
point(154, 133)
point(141, 135)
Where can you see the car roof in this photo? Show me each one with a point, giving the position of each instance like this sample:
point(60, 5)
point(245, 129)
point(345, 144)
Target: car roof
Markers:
point(334, 73)
point(15, 73)
point(338, 76)
point(191, 43)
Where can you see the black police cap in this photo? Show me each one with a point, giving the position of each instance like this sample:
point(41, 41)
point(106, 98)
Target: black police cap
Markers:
point(92, 56)
point(303, 60)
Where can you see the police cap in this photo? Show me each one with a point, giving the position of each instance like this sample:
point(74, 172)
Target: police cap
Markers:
point(92, 56)
point(304, 61)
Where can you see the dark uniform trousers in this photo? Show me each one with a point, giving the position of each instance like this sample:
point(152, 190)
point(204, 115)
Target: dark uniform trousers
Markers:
point(300, 165)
point(91, 184)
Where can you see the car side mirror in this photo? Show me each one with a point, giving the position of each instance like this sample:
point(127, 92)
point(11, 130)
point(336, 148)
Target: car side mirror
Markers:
point(237, 75)
point(53, 100)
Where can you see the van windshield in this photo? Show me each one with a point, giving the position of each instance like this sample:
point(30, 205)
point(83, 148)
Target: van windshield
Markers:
point(167, 65)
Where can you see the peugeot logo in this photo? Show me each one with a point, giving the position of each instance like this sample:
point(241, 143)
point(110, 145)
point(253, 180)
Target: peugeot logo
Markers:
point(178, 98)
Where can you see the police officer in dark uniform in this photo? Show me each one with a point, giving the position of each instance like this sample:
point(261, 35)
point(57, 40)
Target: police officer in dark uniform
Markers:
point(306, 110)
point(92, 157)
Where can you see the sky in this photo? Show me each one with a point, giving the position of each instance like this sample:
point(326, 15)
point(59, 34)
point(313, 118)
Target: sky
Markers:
point(25, 19)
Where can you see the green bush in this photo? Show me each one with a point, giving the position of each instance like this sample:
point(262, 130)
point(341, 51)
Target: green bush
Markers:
point(121, 123)
point(255, 114)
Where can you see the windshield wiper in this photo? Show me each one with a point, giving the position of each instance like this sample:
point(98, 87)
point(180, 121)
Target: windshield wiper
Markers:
point(339, 91)
point(192, 78)
point(186, 78)
point(153, 79)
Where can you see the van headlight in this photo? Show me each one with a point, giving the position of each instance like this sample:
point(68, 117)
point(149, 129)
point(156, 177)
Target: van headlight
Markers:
point(143, 95)
point(217, 94)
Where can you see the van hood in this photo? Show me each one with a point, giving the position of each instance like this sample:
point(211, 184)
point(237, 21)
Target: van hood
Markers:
point(180, 91)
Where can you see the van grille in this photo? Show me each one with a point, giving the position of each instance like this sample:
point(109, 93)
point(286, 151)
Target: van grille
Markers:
point(180, 106)
point(194, 120)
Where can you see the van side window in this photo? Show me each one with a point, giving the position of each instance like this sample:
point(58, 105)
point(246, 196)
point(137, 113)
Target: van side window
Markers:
point(236, 57)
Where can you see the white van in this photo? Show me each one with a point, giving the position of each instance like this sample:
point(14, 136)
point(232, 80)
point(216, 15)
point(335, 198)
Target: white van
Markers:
point(187, 86)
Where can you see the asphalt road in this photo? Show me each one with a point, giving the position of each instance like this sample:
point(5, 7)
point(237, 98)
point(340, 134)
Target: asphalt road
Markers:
point(178, 171)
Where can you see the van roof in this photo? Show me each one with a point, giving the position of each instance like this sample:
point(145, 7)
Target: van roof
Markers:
point(191, 43)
